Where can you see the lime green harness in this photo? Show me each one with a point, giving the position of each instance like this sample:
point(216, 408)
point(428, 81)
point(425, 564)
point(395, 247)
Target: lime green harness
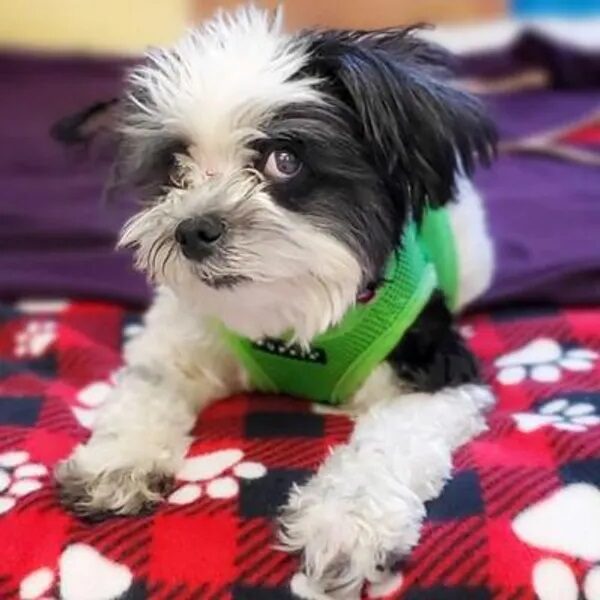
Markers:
point(339, 360)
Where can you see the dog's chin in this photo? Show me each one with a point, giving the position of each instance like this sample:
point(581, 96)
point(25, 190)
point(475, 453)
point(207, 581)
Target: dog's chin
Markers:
point(259, 300)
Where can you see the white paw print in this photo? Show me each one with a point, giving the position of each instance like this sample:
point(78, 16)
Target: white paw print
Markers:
point(566, 522)
point(81, 572)
point(561, 414)
point(90, 398)
point(37, 584)
point(554, 578)
point(35, 306)
point(216, 474)
point(542, 361)
point(18, 477)
point(35, 338)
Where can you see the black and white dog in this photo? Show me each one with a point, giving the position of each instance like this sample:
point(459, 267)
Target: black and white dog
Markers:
point(278, 171)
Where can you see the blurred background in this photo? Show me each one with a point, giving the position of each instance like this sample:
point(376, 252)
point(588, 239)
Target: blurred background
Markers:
point(130, 25)
point(536, 63)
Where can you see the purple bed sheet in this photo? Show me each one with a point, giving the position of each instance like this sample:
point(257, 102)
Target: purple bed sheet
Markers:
point(56, 236)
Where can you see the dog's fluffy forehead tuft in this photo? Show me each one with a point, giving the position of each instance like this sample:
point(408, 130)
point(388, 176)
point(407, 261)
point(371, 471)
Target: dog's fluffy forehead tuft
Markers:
point(221, 79)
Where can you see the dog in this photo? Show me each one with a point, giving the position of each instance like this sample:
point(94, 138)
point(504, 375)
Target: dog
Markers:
point(279, 175)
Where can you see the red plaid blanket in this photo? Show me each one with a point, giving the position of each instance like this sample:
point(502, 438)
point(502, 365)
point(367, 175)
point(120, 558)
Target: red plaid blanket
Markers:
point(521, 516)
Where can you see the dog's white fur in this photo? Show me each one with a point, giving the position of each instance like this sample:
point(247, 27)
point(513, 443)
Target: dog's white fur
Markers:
point(366, 502)
point(240, 64)
point(474, 248)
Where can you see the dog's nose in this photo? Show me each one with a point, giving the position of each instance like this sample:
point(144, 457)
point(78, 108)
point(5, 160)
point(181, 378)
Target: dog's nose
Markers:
point(197, 236)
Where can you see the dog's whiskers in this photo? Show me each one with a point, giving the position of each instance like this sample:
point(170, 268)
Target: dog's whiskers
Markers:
point(166, 260)
point(154, 252)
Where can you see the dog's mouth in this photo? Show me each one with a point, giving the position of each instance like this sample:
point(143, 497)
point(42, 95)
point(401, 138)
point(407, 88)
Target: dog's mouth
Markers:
point(223, 281)
point(214, 273)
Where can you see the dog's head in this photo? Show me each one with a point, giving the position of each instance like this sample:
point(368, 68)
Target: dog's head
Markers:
point(278, 170)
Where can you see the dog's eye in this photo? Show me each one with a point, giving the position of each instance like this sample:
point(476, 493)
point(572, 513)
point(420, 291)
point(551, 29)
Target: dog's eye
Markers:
point(176, 173)
point(282, 165)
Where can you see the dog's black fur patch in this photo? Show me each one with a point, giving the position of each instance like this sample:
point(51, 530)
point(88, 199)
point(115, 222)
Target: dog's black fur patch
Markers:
point(387, 143)
point(432, 354)
point(417, 130)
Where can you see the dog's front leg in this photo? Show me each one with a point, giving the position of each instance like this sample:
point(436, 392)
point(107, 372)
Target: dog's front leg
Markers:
point(363, 509)
point(173, 368)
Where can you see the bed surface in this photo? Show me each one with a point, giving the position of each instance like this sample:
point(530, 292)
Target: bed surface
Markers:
point(524, 498)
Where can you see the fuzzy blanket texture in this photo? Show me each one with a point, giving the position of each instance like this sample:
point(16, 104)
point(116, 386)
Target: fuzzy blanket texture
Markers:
point(520, 517)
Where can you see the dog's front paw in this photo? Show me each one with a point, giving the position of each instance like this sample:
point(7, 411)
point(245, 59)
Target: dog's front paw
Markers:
point(350, 525)
point(94, 493)
point(482, 396)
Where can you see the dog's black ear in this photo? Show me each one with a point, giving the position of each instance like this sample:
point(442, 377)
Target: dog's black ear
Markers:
point(86, 124)
point(417, 127)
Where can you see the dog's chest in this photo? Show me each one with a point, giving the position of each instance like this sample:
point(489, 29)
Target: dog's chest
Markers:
point(340, 360)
